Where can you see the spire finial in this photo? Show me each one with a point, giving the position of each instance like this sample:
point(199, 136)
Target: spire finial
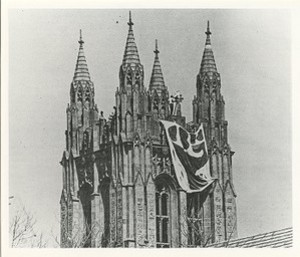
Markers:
point(208, 33)
point(156, 51)
point(81, 70)
point(131, 55)
point(208, 30)
point(130, 23)
point(157, 80)
point(80, 38)
point(208, 64)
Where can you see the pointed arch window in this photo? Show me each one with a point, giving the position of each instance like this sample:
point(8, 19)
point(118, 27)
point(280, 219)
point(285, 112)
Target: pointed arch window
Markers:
point(87, 95)
point(79, 95)
point(194, 220)
point(162, 216)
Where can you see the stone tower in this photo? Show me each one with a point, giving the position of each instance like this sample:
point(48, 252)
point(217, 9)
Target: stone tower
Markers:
point(79, 192)
point(119, 184)
point(219, 204)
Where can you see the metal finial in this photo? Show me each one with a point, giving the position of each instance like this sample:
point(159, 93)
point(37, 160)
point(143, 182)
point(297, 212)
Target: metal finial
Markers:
point(130, 23)
point(208, 29)
point(80, 38)
point(156, 51)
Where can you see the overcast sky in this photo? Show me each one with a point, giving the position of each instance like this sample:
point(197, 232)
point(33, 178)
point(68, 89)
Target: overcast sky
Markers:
point(252, 52)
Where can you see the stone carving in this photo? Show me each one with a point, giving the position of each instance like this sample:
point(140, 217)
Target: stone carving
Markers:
point(161, 165)
point(87, 95)
point(157, 164)
point(129, 79)
point(79, 94)
point(85, 142)
point(137, 78)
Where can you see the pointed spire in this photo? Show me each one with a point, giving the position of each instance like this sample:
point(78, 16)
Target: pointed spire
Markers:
point(81, 70)
point(208, 63)
point(131, 55)
point(157, 79)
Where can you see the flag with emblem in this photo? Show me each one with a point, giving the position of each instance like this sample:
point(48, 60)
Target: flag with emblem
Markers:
point(190, 157)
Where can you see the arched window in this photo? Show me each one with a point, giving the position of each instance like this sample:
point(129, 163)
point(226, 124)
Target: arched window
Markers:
point(194, 220)
point(163, 219)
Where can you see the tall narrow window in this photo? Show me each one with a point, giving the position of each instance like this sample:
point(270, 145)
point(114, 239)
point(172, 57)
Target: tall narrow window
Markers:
point(162, 216)
point(194, 220)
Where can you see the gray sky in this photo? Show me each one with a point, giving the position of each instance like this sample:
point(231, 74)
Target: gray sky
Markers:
point(252, 52)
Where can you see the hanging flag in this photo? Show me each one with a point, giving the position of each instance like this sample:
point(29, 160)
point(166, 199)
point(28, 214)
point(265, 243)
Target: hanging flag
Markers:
point(190, 157)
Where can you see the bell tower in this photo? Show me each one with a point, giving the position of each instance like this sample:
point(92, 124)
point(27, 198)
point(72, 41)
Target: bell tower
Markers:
point(120, 186)
point(219, 205)
point(131, 94)
point(77, 161)
point(82, 111)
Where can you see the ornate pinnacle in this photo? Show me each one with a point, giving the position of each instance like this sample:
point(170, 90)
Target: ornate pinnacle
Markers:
point(157, 80)
point(131, 55)
point(208, 61)
point(81, 70)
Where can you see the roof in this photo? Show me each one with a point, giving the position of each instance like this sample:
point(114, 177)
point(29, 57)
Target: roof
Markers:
point(208, 64)
point(274, 239)
point(131, 55)
point(81, 71)
point(157, 80)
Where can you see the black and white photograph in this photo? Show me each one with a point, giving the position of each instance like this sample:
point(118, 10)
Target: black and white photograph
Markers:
point(148, 128)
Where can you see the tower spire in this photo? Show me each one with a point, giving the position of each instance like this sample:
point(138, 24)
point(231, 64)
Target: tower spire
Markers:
point(81, 71)
point(208, 64)
point(131, 55)
point(157, 80)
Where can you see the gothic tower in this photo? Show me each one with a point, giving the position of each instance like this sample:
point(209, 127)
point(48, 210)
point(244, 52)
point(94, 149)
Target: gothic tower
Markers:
point(119, 183)
point(130, 151)
point(78, 159)
point(219, 204)
point(141, 166)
